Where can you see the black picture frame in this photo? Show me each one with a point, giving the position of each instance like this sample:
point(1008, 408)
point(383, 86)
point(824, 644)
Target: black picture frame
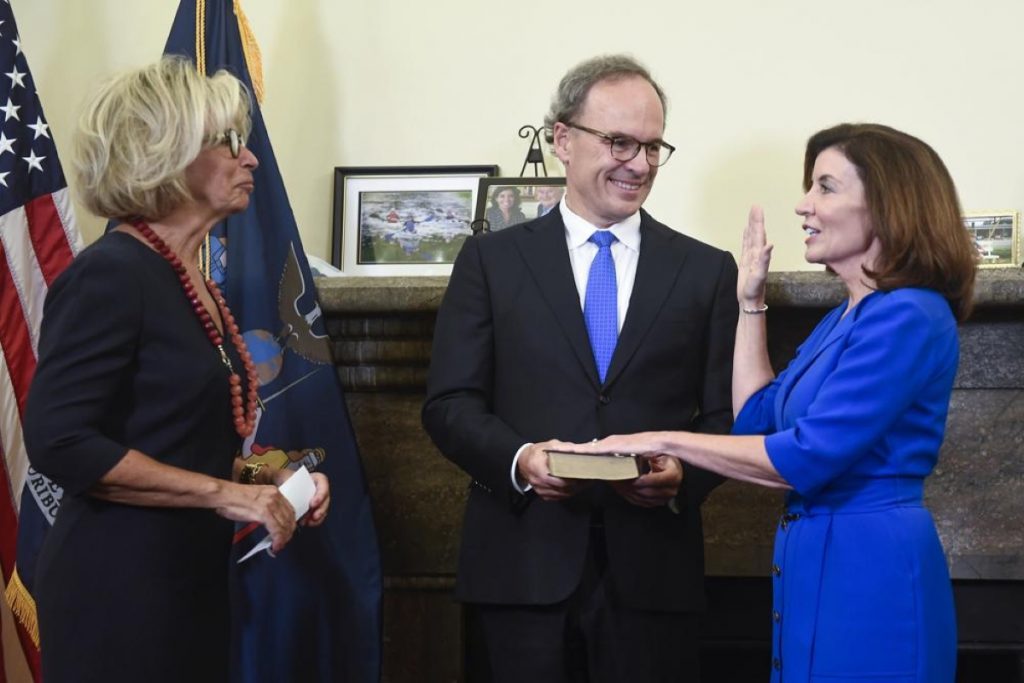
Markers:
point(528, 202)
point(431, 218)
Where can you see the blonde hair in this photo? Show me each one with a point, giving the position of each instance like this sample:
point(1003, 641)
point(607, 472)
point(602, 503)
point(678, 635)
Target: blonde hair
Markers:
point(141, 129)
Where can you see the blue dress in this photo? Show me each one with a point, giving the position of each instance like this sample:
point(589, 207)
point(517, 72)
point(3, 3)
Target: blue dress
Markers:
point(861, 587)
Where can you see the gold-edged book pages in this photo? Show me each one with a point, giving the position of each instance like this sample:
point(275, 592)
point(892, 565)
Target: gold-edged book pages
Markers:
point(603, 466)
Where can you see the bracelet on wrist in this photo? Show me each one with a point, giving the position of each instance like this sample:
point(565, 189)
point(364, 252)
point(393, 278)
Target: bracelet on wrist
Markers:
point(755, 311)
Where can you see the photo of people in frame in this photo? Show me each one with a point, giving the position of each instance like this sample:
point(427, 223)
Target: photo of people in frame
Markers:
point(412, 226)
point(503, 202)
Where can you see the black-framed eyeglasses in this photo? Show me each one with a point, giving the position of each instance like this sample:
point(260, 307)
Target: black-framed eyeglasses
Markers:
point(624, 148)
point(233, 139)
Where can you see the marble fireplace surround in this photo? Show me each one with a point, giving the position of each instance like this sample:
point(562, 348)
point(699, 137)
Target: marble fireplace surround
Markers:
point(381, 330)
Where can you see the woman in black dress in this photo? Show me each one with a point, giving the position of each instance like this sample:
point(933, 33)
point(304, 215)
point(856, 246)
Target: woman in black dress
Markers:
point(144, 391)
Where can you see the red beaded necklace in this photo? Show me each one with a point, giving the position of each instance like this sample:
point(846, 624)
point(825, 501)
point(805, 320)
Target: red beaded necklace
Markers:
point(245, 420)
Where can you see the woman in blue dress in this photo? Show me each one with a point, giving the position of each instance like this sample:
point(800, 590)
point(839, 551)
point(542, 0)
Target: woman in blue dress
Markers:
point(854, 424)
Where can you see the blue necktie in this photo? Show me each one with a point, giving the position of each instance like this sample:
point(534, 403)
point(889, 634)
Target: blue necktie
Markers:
point(601, 305)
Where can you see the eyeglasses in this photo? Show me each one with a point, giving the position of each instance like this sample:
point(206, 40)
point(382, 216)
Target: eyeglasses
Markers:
point(233, 140)
point(624, 148)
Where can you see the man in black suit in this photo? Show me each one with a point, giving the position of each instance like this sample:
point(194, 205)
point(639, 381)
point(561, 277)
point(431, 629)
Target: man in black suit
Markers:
point(548, 197)
point(572, 580)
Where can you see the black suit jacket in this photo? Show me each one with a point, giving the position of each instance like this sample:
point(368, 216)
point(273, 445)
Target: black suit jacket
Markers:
point(512, 364)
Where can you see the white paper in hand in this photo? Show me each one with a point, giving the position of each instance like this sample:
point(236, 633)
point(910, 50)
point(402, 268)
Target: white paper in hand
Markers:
point(299, 490)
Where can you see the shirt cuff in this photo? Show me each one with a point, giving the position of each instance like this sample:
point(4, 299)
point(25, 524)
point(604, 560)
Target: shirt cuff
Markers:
point(515, 463)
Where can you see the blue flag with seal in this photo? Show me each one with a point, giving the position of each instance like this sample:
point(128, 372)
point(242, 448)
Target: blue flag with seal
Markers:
point(313, 613)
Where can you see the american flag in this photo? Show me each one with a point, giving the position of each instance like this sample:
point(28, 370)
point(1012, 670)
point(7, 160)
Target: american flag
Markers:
point(38, 239)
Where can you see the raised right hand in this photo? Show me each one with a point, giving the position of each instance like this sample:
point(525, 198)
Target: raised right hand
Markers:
point(263, 504)
point(755, 258)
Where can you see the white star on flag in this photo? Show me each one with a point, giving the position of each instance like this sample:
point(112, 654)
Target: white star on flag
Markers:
point(40, 128)
point(33, 161)
point(17, 44)
point(17, 77)
point(6, 143)
point(10, 109)
point(3, 177)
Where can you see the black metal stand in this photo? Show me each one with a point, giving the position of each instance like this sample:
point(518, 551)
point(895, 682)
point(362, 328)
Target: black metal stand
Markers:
point(534, 155)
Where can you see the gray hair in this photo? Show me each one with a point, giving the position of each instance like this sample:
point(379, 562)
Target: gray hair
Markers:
point(576, 84)
point(141, 129)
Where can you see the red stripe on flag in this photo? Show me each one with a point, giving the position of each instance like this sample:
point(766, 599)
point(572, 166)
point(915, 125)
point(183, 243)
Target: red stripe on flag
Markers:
point(8, 528)
point(48, 237)
point(245, 531)
point(14, 334)
point(53, 254)
point(21, 365)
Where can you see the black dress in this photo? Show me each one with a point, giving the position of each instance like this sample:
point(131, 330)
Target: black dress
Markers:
point(129, 593)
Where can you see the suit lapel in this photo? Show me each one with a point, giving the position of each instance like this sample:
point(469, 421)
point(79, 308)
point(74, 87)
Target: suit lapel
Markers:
point(841, 325)
point(657, 268)
point(543, 247)
point(831, 329)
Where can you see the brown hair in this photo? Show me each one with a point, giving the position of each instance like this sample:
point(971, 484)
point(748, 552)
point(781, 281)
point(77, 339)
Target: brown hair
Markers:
point(914, 210)
point(516, 196)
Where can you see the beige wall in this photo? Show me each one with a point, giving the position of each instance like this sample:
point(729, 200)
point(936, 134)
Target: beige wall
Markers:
point(403, 82)
point(417, 82)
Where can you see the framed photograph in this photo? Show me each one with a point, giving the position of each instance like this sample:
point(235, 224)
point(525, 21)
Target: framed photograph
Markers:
point(996, 236)
point(502, 202)
point(402, 220)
